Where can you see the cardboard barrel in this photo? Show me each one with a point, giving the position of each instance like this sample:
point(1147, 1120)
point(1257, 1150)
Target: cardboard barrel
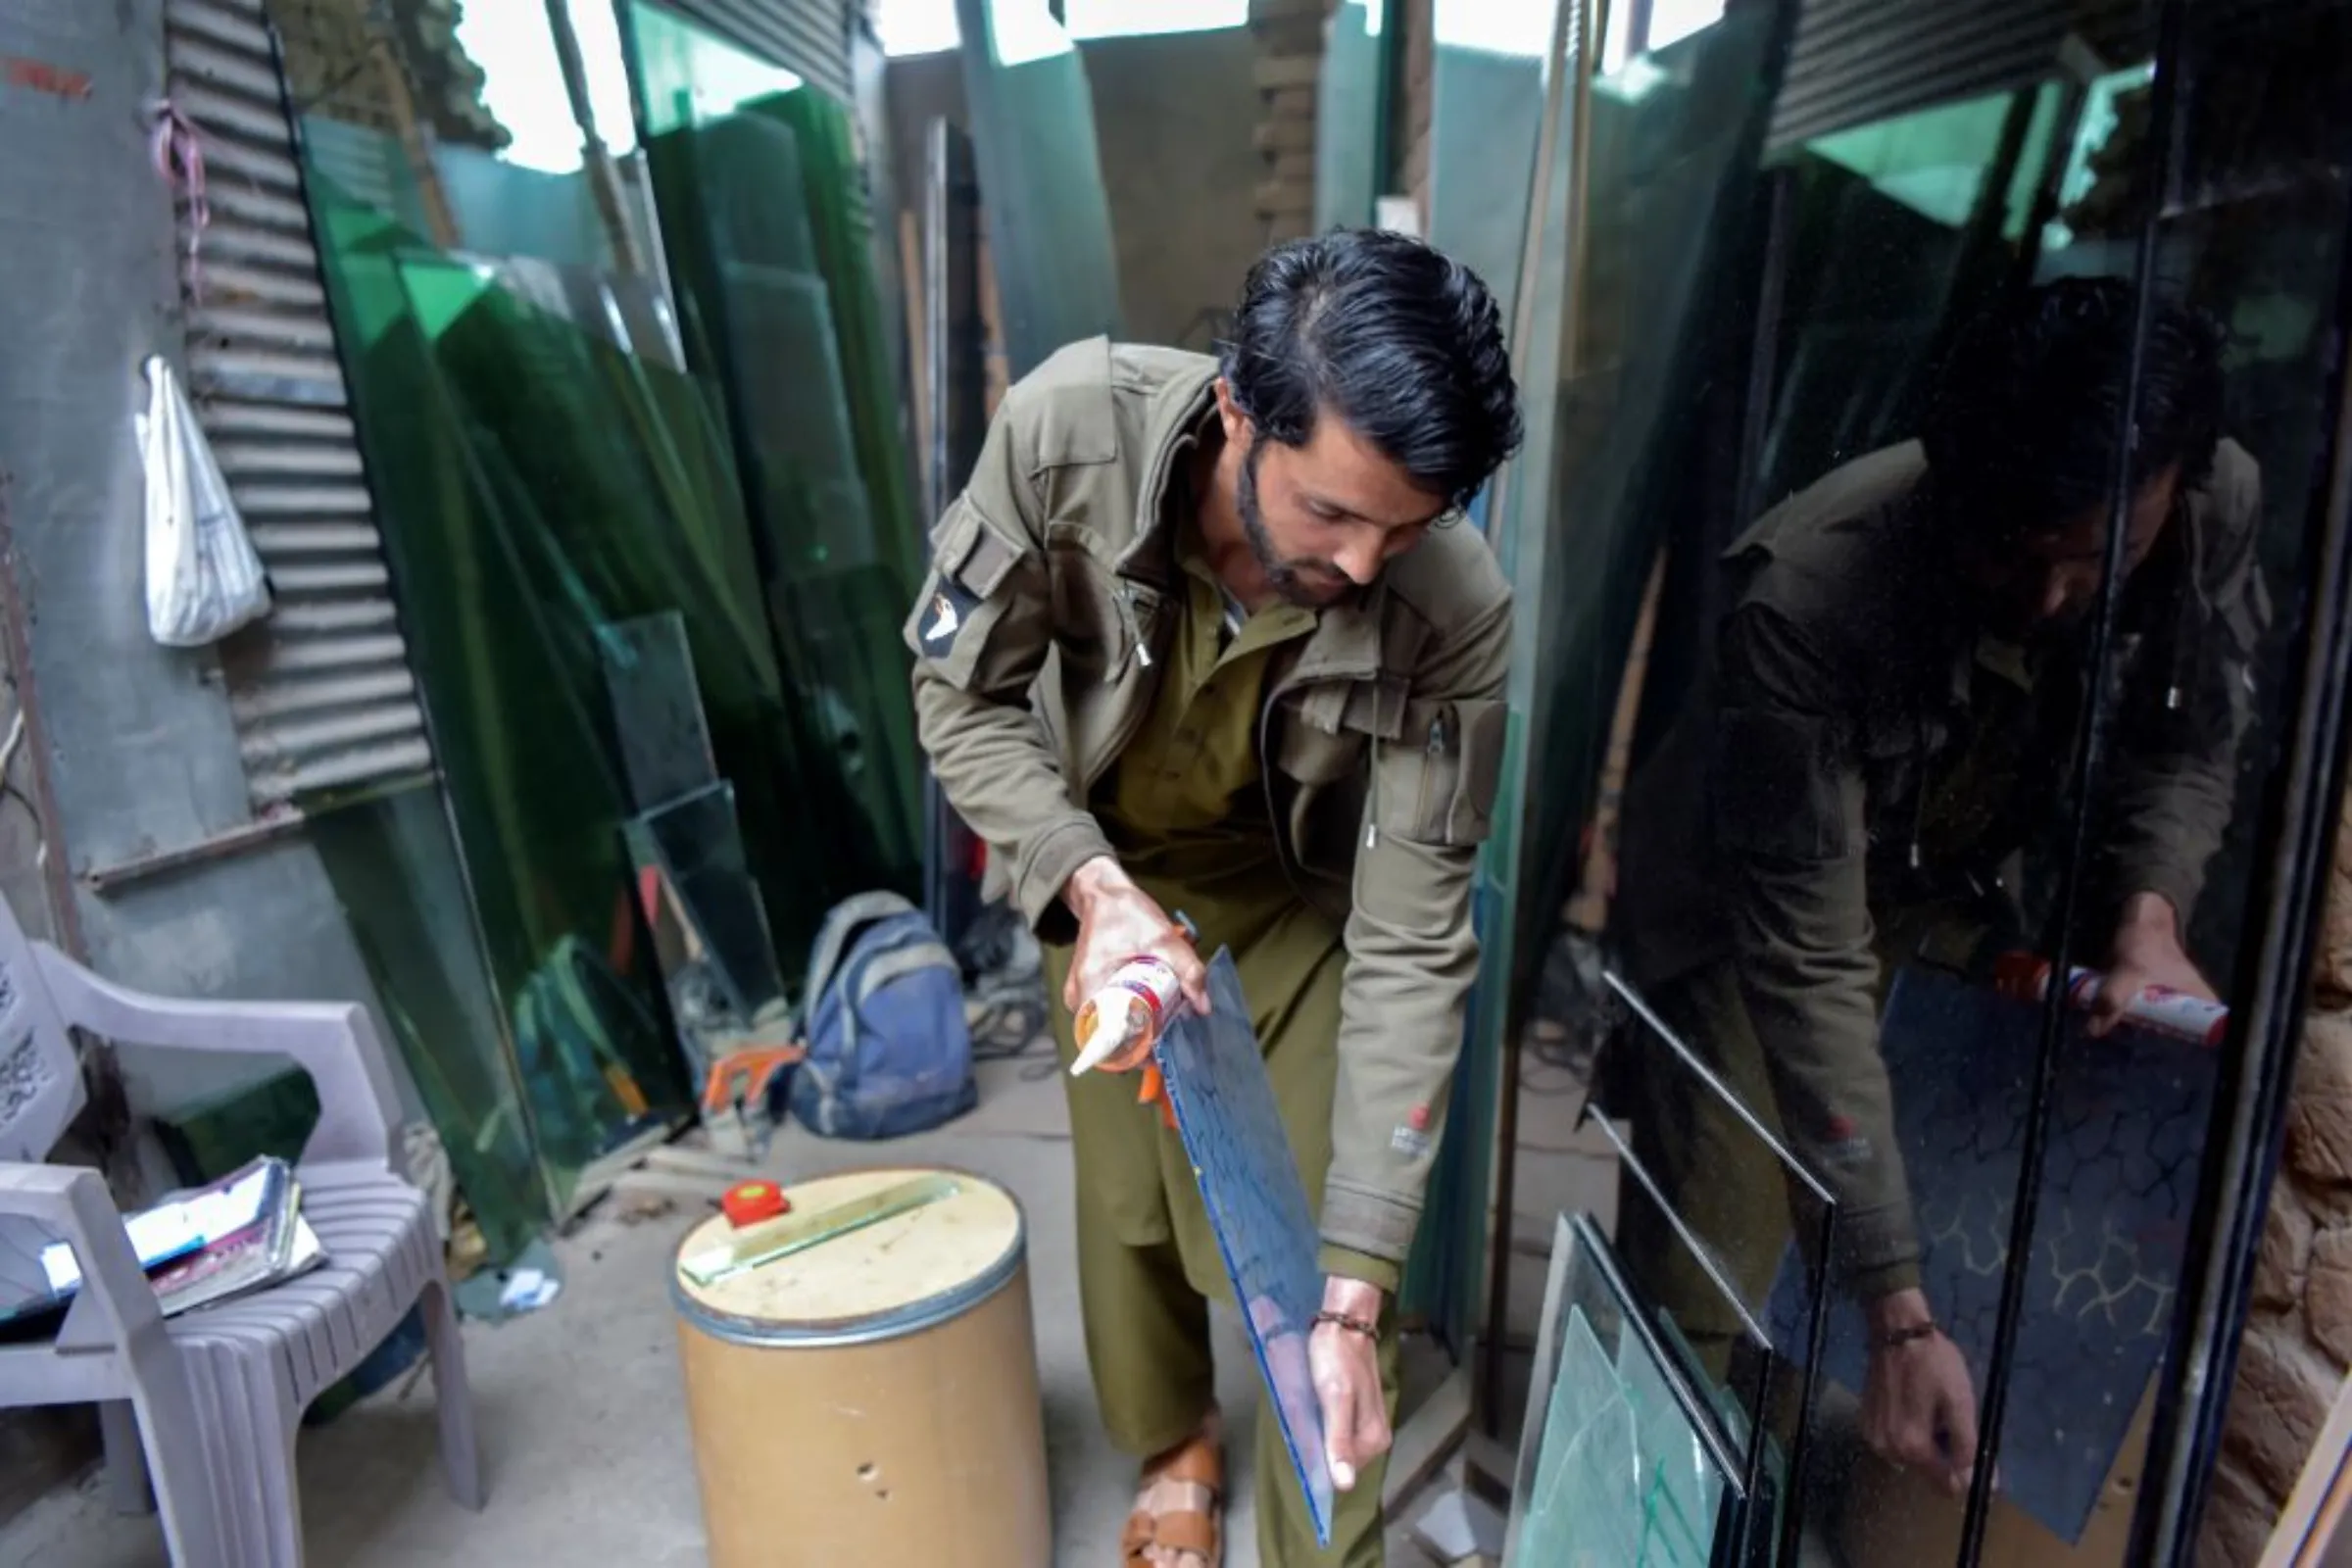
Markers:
point(872, 1398)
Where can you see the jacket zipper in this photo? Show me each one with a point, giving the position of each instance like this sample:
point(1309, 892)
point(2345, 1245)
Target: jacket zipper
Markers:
point(1093, 769)
point(1429, 768)
point(1147, 505)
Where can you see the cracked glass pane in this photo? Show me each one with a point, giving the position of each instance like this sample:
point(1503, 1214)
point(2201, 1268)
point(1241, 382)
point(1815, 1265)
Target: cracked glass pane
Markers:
point(1619, 1462)
point(1233, 1131)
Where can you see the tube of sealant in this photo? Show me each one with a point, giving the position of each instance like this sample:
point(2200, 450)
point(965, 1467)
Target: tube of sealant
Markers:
point(1120, 1022)
point(2158, 1008)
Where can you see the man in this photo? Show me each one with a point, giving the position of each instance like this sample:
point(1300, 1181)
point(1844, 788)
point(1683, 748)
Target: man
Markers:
point(1201, 638)
point(1897, 692)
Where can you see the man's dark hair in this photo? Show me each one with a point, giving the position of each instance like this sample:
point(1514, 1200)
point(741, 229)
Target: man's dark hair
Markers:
point(1401, 343)
point(2028, 409)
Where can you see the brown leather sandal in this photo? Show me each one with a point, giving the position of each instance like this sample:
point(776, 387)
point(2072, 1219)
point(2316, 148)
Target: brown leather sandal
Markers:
point(1180, 1507)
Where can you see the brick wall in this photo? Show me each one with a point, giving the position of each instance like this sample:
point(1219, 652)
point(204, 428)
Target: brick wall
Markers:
point(1289, 54)
point(1289, 35)
point(2298, 1336)
point(386, 68)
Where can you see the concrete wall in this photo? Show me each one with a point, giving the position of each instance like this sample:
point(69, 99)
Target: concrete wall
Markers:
point(1175, 117)
point(138, 738)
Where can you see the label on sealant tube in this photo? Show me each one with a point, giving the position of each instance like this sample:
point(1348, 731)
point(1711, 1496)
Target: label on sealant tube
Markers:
point(2159, 1009)
point(1153, 989)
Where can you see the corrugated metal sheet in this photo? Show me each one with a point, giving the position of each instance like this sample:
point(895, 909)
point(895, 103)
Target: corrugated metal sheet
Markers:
point(1855, 62)
point(811, 39)
point(320, 691)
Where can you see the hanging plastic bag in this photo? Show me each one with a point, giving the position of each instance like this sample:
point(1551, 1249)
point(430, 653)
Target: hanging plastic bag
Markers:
point(202, 579)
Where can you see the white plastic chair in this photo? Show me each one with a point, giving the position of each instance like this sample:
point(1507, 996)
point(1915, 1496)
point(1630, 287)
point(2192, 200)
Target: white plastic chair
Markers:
point(205, 1405)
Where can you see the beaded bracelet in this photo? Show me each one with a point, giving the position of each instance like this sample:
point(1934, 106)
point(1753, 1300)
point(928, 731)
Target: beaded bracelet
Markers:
point(1355, 1325)
point(1896, 1339)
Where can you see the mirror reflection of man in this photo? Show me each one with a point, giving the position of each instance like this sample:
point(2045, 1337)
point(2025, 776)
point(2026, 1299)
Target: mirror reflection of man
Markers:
point(1895, 698)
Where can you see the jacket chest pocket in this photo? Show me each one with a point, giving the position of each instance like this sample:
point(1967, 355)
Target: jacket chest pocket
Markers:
point(1093, 624)
point(1897, 758)
point(1437, 782)
point(1323, 732)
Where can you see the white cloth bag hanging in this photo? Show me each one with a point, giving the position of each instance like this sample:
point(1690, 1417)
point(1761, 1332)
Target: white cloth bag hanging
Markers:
point(202, 579)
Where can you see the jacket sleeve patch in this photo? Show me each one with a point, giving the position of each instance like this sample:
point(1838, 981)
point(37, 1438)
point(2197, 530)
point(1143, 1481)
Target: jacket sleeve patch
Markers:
point(963, 599)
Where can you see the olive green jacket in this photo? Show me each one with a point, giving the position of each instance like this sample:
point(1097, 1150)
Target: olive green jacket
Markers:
point(1038, 638)
point(1869, 768)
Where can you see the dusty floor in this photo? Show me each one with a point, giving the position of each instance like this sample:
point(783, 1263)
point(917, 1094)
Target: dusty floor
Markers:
point(583, 1421)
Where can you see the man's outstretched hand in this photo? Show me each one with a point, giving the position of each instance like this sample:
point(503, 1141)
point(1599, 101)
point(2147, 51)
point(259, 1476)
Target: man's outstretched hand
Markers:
point(2147, 953)
point(1346, 1370)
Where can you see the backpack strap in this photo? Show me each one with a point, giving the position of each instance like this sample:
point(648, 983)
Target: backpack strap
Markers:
point(842, 925)
point(899, 962)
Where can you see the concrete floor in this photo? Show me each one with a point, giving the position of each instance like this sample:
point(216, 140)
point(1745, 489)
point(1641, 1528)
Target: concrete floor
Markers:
point(582, 1416)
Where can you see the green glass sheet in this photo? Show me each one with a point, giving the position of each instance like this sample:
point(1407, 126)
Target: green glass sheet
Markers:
point(657, 718)
point(557, 445)
point(1582, 1512)
point(1620, 1464)
point(395, 867)
point(495, 913)
point(531, 798)
point(770, 248)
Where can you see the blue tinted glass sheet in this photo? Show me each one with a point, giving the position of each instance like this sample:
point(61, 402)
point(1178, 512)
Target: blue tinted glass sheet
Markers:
point(2125, 1130)
point(1216, 1080)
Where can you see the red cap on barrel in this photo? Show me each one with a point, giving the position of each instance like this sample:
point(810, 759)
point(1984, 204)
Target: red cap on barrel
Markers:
point(749, 1203)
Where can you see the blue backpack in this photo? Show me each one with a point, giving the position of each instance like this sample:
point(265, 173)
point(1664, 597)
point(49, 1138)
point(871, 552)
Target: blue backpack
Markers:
point(889, 1050)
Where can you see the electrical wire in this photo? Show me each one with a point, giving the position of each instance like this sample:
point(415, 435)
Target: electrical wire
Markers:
point(1012, 1020)
point(1012, 1024)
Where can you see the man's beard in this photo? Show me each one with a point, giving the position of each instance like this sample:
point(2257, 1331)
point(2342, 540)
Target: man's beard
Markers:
point(1305, 582)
